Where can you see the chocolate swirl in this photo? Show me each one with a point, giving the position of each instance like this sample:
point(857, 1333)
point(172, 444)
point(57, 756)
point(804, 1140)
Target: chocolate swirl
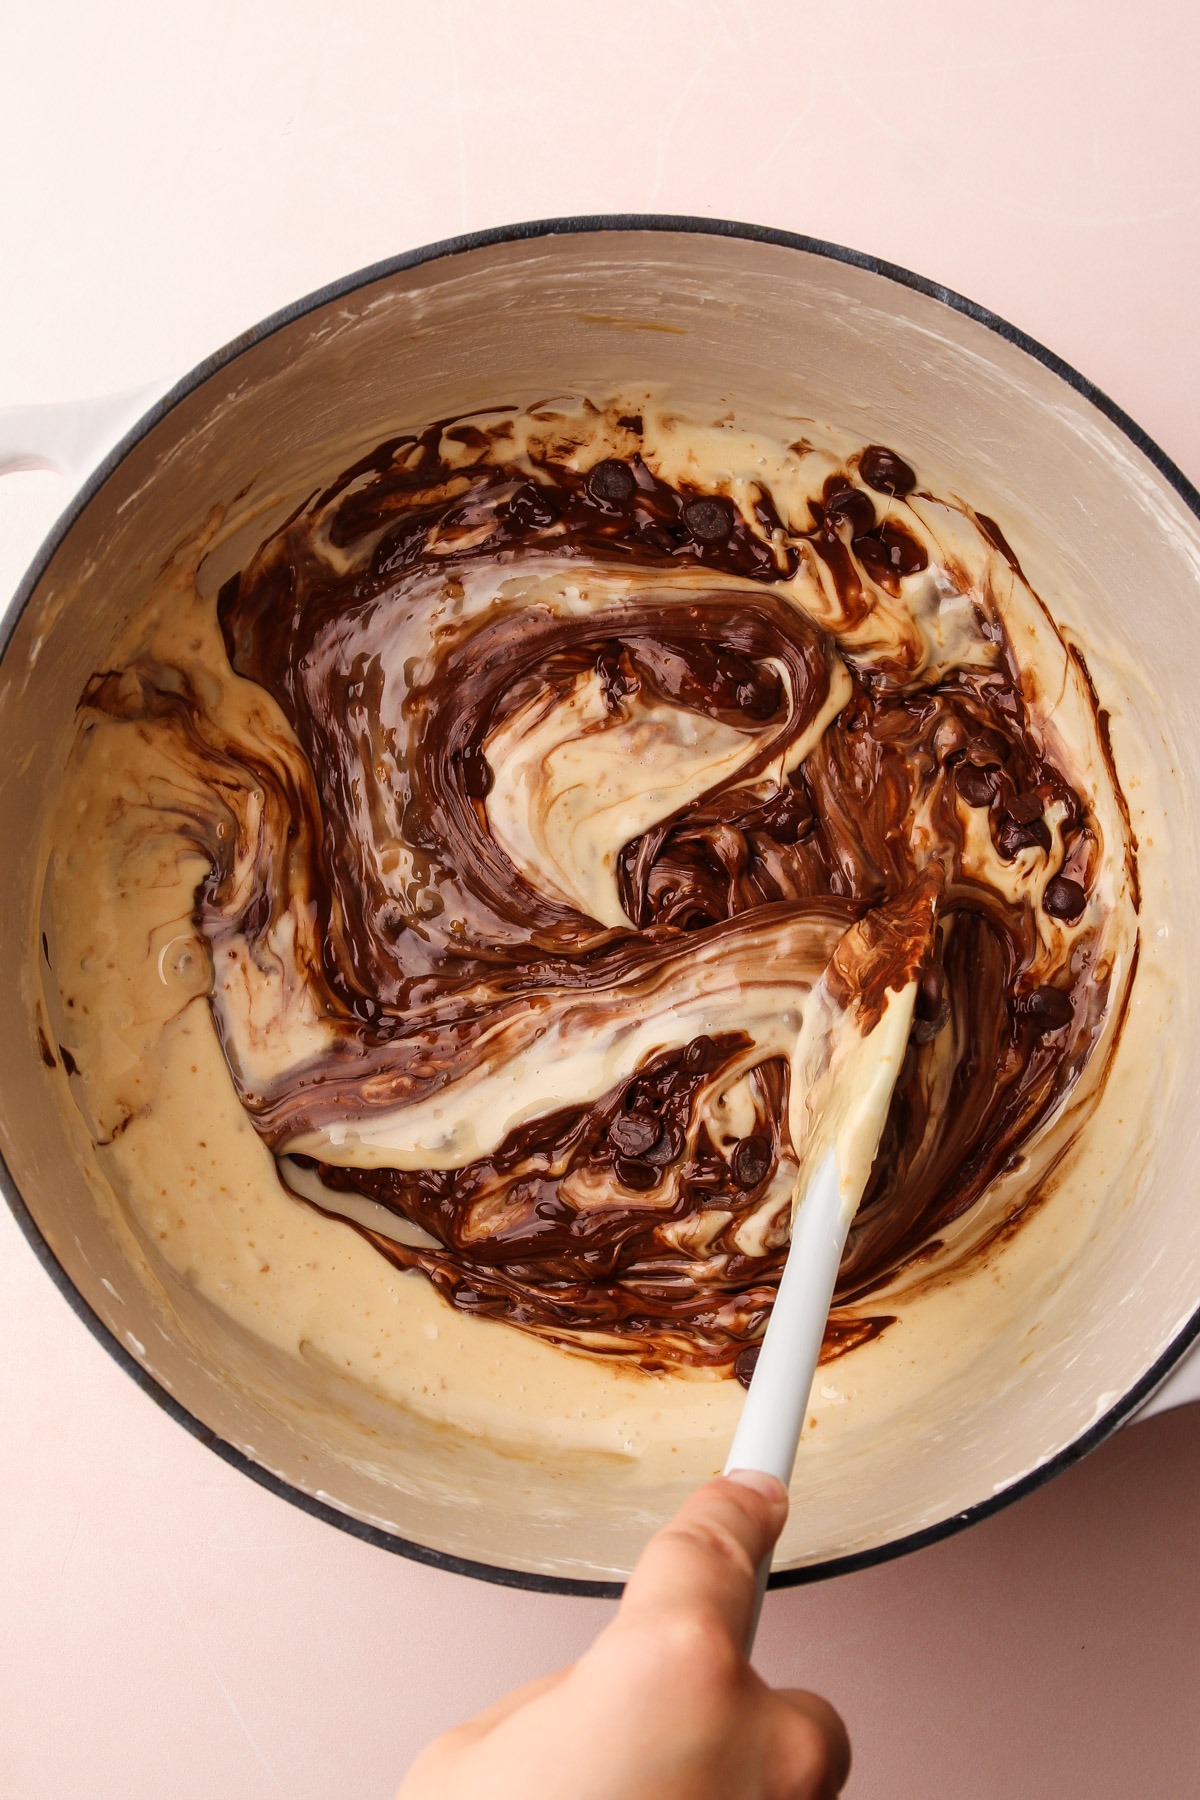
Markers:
point(589, 769)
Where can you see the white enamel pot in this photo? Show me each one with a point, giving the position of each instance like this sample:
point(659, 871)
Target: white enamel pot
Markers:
point(720, 313)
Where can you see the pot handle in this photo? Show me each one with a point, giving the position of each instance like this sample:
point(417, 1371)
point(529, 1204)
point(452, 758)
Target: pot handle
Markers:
point(73, 436)
point(70, 437)
point(1181, 1386)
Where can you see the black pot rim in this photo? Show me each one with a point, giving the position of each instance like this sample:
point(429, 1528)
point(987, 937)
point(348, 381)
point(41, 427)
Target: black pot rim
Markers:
point(337, 290)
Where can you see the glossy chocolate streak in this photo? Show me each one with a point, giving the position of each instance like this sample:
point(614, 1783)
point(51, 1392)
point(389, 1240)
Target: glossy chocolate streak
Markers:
point(650, 1220)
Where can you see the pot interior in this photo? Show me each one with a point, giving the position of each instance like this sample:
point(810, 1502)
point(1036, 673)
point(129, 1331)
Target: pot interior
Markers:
point(1097, 1282)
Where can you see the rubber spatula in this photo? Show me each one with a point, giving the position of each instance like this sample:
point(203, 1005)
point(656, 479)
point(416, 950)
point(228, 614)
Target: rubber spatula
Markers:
point(852, 1092)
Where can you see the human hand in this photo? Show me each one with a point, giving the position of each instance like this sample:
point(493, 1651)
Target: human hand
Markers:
point(664, 1705)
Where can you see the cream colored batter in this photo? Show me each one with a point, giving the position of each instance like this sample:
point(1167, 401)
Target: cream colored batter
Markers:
point(129, 978)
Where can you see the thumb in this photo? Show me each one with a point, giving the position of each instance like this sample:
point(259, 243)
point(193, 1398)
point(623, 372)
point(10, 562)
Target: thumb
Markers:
point(814, 1712)
point(706, 1558)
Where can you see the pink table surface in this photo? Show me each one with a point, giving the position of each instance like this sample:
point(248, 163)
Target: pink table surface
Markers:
point(174, 173)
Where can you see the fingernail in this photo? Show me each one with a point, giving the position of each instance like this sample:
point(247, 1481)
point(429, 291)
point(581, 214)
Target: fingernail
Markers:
point(769, 1486)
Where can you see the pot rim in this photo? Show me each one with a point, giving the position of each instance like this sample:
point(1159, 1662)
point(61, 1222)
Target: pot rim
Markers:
point(529, 231)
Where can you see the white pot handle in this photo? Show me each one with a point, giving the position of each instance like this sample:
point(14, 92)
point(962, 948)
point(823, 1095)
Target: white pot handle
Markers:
point(71, 437)
point(1181, 1385)
point(74, 436)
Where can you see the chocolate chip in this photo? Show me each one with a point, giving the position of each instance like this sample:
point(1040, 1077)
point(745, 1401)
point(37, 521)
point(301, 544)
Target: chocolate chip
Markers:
point(709, 519)
point(977, 786)
point(886, 472)
point(851, 504)
point(931, 993)
point(631, 422)
point(1047, 1008)
point(744, 1363)
point(1026, 808)
point(633, 1174)
point(476, 773)
point(660, 537)
point(611, 482)
point(890, 551)
point(855, 508)
point(761, 696)
point(1013, 837)
point(532, 508)
point(752, 1162)
point(669, 1148)
point(932, 1009)
point(632, 1134)
point(1064, 899)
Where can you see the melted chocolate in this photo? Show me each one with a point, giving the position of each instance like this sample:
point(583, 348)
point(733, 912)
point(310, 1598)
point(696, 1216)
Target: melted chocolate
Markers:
point(412, 990)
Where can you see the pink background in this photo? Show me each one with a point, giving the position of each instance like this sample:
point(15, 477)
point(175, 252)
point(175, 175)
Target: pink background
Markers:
point(174, 173)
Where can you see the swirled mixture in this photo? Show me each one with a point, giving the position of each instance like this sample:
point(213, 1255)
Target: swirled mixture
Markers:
point(560, 791)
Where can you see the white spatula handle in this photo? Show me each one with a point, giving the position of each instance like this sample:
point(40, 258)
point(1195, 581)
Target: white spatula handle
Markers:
point(773, 1414)
point(775, 1407)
